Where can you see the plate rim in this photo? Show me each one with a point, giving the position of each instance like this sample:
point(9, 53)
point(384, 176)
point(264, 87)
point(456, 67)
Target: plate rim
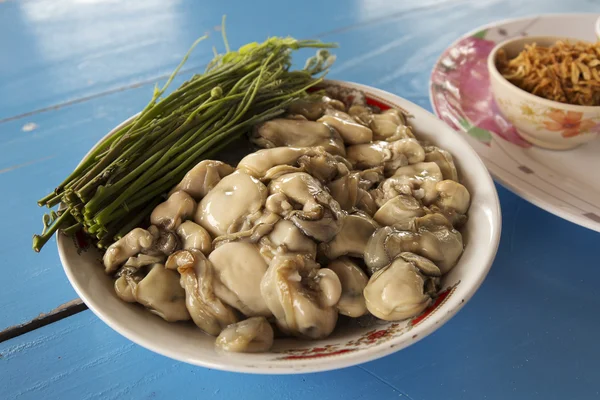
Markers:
point(504, 178)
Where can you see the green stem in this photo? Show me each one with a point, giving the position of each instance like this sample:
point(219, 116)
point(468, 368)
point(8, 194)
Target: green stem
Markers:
point(73, 229)
point(114, 187)
point(164, 156)
point(40, 240)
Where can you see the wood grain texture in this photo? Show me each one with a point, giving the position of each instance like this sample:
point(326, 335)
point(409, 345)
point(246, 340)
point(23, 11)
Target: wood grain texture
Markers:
point(38, 150)
point(32, 163)
point(80, 358)
point(391, 45)
point(529, 333)
point(64, 50)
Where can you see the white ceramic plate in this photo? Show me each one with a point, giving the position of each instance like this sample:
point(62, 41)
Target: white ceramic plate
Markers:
point(565, 183)
point(348, 345)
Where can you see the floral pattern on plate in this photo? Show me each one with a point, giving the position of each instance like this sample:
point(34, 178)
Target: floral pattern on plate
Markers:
point(551, 180)
point(81, 241)
point(371, 338)
point(460, 89)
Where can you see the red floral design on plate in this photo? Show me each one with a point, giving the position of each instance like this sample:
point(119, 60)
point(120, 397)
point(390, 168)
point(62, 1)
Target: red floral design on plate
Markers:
point(82, 242)
point(377, 103)
point(437, 303)
point(348, 96)
point(377, 336)
point(370, 338)
point(461, 92)
point(315, 352)
point(317, 355)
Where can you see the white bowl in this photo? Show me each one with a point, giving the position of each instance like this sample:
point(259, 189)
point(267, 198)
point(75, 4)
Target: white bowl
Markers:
point(598, 28)
point(350, 345)
point(545, 123)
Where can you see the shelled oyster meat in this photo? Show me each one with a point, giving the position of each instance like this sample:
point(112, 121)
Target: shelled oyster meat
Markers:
point(343, 211)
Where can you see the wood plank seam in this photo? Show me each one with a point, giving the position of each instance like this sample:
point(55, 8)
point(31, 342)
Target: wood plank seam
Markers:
point(96, 95)
point(63, 311)
point(385, 382)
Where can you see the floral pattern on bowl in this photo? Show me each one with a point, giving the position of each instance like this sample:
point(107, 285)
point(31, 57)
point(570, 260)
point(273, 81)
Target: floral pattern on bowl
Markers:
point(460, 90)
point(567, 123)
point(546, 123)
point(570, 123)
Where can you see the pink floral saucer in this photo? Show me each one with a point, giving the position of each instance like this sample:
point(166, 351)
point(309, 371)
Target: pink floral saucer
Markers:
point(460, 96)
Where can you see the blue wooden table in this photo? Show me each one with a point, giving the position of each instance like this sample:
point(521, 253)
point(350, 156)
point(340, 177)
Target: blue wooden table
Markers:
point(70, 70)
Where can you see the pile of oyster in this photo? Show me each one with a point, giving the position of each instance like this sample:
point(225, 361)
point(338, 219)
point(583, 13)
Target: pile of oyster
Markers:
point(343, 211)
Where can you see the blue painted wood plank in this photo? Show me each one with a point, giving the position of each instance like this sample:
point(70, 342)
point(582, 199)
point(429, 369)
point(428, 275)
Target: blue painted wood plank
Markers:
point(80, 358)
point(532, 319)
point(56, 51)
point(35, 155)
point(529, 333)
point(36, 152)
point(399, 53)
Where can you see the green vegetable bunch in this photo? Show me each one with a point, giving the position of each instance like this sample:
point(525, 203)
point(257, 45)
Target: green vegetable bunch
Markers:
point(118, 184)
